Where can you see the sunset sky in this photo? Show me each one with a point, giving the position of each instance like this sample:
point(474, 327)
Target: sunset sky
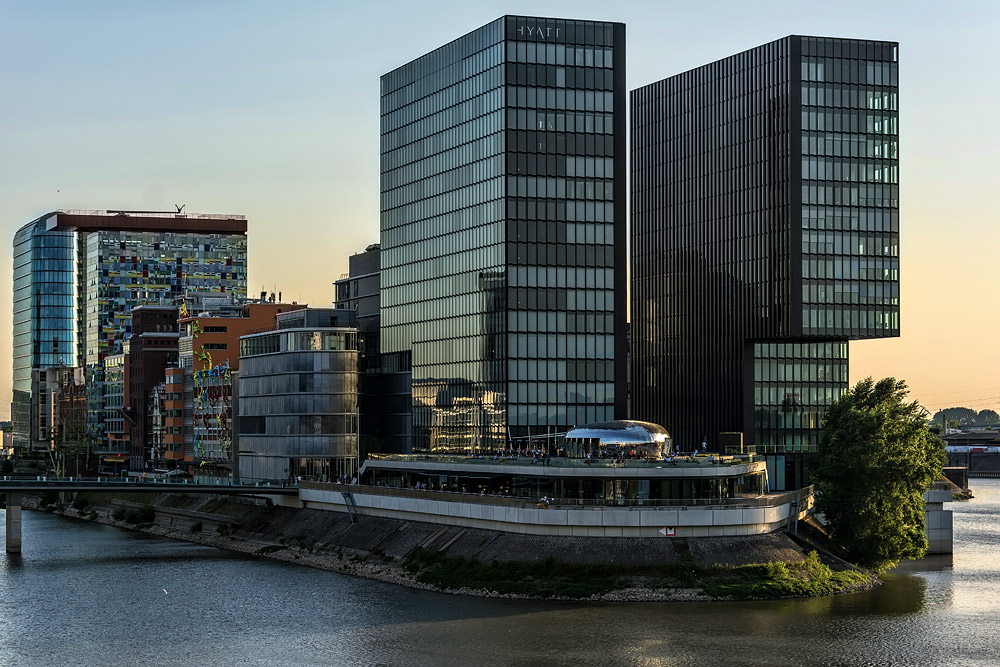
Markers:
point(270, 109)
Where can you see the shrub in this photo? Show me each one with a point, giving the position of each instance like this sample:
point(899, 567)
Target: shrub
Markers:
point(146, 514)
point(92, 515)
point(81, 503)
point(132, 516)
point(222, 529)
point(195, 527)
point(48, 498)
point(118, 514)
point(6, 466)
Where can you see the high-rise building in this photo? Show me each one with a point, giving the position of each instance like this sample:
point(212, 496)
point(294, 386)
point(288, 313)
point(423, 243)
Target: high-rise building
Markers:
point(79, 274)
point(765, 235)
point(503, 230)
point(384, 380)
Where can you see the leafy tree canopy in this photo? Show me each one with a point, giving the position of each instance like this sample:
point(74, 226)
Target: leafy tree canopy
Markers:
point(875, 460)
point(967, 417)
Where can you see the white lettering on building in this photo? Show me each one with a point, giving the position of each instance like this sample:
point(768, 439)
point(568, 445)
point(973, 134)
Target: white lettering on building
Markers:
point(537, 32)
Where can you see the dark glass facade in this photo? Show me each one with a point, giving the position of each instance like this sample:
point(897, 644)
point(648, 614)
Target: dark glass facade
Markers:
point(765, 212)
point(503, 230)
point(384, 394)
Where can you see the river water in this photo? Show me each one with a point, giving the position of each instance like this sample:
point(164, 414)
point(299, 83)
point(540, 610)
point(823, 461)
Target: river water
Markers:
point(86, 594)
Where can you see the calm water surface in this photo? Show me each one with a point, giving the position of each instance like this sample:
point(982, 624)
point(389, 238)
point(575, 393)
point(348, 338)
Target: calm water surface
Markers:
point(85, 594)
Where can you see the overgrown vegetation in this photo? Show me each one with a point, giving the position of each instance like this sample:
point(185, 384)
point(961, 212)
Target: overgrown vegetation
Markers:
point(809, 577)
point(550, 577)
point(118, 514)
point(81, 503)
point(195, 527)
point(142, 516)
point(545, 578)
point(875, 460)
point(270, 549)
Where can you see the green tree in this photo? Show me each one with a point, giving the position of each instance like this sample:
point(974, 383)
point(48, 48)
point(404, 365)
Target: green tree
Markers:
point(875, 460)
point(987, 418)
point(964, 416)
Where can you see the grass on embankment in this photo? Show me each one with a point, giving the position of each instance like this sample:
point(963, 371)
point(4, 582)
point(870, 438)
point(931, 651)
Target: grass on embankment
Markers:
point(551, 578)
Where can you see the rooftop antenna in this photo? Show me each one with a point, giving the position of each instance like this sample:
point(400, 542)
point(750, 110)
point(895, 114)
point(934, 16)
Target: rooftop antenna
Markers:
point(180, 207)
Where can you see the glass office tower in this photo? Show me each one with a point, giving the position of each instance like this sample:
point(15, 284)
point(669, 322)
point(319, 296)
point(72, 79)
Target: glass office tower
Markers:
point(765, 217)
point(45, 313)
point(503, 230)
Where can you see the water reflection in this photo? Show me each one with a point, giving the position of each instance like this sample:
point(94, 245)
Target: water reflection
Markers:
point(103, 589)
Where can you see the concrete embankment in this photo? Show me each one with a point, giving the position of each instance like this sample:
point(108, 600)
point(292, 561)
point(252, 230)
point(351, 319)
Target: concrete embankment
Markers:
point(381, 548)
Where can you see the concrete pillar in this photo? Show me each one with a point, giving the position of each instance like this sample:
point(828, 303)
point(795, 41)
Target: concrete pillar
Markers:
point(13, 522)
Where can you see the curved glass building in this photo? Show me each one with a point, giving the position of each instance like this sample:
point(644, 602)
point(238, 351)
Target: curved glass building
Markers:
point(298, 398)
point(45, 315)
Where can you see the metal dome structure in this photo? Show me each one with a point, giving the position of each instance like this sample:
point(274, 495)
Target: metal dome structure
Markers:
point(646, 438)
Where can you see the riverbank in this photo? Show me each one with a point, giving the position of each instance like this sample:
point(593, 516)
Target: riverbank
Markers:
point(480, 562)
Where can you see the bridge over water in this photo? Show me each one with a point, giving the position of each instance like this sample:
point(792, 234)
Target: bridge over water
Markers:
point(14, 488)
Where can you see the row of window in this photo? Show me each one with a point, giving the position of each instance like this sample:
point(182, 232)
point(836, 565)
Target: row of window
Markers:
point(797, 418)
point(558, 415)
point(560, 322)
point(456, 91)
point(438, 287)
point(842, 96)
point(522, 208)
point(532, 231)
point(409, 231)
point(851, 195)
point(444, 246)
point(848, 145)
point(450, 137)
point(560, 188)
point(817, 168)
point(475, 172)
point(461, 262)
point(561, 346)
point(844, 268)
point(299, 362)
point(873, 293)
point(565, 299)
point(552, 76)
point(868, 122)
point(797, 370)
point(841, 70)
point(452, 116)
point(299, 425)
point(561, 276)
point(559, 54)
point(560, 99)
point(453, 158)
point(559, 121)
point(460, 311)
point(556, 255)
point(840, 318)
point(443, 203)
point(435, 70)
point(841, 218)
point(843, 243)
point(299, 403)
point(554, 393)
point(531, 164)
point(298, 340)
point(793, 398)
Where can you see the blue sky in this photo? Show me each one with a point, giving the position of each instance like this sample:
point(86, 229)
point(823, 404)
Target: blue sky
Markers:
point(271, 110)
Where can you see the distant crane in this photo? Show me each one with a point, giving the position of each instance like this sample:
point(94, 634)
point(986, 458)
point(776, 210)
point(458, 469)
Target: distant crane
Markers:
point(180, 207)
